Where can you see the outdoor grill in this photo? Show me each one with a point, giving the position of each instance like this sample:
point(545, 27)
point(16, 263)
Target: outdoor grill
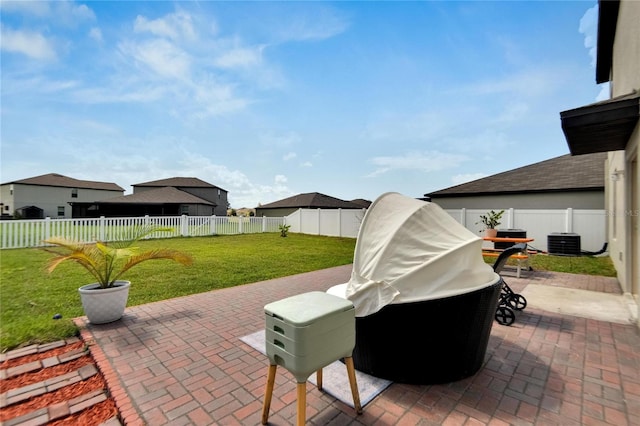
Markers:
point(424, 298)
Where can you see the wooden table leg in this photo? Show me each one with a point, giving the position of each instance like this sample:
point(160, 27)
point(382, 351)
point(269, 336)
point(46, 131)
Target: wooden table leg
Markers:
point(302, 403)
point(351, 371)
point(271, 379)
point(319, 379)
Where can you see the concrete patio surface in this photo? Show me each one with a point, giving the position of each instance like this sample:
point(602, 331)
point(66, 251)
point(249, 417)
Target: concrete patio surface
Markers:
point(180, 362)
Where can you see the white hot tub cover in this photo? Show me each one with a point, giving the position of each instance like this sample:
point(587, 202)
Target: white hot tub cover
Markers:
point(410, 250)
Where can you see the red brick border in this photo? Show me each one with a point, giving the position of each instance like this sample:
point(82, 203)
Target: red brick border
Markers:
point(128, 413)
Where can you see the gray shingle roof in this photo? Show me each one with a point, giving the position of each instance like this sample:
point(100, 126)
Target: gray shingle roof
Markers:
point(564, 173)
point(184, 182)
point(54, 179)
point(311, 200)
point(166, 195)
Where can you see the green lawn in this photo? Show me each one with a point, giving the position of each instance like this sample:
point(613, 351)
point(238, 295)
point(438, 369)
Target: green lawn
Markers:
point(29, 297)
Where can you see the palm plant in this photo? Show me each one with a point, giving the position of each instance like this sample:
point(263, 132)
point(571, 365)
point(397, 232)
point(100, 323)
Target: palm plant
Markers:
point(107, 262)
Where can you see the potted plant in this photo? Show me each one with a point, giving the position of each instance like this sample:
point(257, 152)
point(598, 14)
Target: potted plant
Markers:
point(490, 220)
point(105, 300)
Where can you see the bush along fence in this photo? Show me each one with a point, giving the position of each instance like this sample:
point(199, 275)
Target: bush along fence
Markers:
point(31, 233)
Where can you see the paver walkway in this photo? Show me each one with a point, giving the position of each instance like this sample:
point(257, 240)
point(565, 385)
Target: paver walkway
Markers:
point(180, 362)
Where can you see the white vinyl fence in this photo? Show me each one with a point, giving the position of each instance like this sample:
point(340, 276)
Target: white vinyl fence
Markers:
point(590, 225)
point(31, 233)
point(329, 222)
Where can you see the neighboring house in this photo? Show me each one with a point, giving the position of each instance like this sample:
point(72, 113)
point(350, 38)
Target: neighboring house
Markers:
point(167, 197)
point(50, 195)
point(612, 126)
point(559, 183)
point(311, 200)
point(362, 203)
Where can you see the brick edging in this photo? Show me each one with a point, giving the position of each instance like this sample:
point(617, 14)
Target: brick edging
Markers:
point(128, 413)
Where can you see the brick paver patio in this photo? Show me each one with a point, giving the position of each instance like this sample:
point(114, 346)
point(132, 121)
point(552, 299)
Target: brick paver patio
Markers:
point(180, 362)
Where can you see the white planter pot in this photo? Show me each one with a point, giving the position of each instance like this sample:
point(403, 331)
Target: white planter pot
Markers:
point(103, 305)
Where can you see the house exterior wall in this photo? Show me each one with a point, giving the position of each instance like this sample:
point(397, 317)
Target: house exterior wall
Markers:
point(594, 200)
point(49, 198)
point(622, 194)
point(202, 210)
point(215, 195)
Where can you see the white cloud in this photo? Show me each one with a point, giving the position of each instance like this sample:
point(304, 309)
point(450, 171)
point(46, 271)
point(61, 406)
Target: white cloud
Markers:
point(306, 164)
point(66, 13)
point(313, 23)
point(99, 95)
point(589, 27)
point(429, 161)
point(32, 8)
point(173, 26)
point(239, 57)
point(160, 56)
point(31, 44)
point(36, 85)
point(289, 156)
point(535, 82)
point(75, 13)
point(280, 179)
point(96, 34)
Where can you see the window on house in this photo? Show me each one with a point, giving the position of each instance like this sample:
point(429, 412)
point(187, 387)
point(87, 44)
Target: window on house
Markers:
point(60, 210)
point(74, 193)
point(218, 192)
point(6, 208)
point(184, 209)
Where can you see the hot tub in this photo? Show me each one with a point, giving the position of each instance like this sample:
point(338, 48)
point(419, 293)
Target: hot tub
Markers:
point(425, 299)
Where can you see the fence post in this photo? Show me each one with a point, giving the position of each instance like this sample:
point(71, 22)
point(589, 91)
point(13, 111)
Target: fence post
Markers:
point(463, 217)
point(339, 222)
point(184, 228)
point(101, 229)
point(212, 225)
point(319, 210)
point(264, 224)
point(510, 219)
point(569, 220)
point(47, 228)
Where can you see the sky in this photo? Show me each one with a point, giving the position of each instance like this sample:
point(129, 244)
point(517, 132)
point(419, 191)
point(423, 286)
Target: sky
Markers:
point(270, 99)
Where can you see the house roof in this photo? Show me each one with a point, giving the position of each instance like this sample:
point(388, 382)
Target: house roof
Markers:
point(601, 126)
point(362, 202)
point(165, 195)
point(54, 179)
point(564, 173)
point(311, 200)
point(184, 182)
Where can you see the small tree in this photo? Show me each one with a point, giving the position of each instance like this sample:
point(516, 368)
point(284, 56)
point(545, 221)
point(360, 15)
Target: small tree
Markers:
point(284, 229)
point(491, 219)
